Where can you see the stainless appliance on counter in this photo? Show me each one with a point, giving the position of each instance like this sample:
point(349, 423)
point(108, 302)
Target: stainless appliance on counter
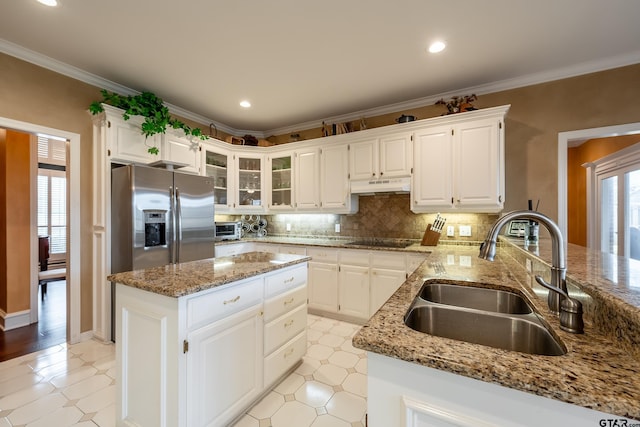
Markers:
point(230, 230)
point(159, 217)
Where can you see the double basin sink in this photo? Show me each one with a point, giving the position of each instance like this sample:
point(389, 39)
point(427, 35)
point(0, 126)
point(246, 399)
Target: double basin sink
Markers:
point(480, 315)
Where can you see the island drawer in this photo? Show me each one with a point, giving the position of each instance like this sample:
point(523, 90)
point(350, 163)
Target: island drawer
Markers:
point(219, 303)
point(282, 303)
point(283, 281)
point(285, 327)
point(276, 364)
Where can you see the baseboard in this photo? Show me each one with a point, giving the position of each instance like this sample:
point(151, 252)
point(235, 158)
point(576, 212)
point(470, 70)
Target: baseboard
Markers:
point(14, 320)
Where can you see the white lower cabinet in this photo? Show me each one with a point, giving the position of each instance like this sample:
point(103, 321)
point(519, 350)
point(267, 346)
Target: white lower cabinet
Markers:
point(203, 359)
point(406, 394)
point(353, 291)
point(226, 353)
point(323, 286)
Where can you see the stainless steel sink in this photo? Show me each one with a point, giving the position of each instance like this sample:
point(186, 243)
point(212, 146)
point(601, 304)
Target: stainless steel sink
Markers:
point(486, 299)
point(493, 318)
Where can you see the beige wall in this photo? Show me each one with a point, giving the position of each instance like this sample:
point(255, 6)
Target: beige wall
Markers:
point(36, 95)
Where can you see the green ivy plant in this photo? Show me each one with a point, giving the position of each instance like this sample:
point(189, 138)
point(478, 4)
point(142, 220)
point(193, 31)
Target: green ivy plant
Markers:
point(148, 105)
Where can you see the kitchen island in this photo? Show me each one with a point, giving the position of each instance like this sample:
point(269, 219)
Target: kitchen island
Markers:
point(415, 379)
point(199, 342)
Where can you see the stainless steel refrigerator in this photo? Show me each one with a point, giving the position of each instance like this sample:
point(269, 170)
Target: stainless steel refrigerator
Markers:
point(159, 217)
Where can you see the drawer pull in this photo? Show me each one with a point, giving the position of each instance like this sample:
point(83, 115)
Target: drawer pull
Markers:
point(288, 323)
point(289, 352)
point(289, 280)
point(231, 301)
point(289, 301)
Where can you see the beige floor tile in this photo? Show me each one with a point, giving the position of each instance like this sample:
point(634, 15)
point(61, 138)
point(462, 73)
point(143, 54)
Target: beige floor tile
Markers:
point(319, 352)
point(361, 366)
point(98, 400)
point(75, 376)
point(356, 384)
point(23, 397)
point(308, 366)
point(344, 359)
point(19, 383)
point(329, 421)
point(62, 417)
point(314, 394)
point(267, 406)
point(293, 414)
point(37, 409)
point(105, 417)
point(289, 385)
point(330, 374)
point(247, 421)
point(347, 406)
point(86, 387)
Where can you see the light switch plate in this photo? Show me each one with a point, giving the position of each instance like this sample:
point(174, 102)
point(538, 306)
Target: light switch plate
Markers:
point(337, 228)
point(451, 231)
point(465, 231)
point(288, 227)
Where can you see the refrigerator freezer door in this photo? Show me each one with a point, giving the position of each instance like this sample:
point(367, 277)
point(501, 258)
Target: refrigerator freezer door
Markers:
point(152, 220)
point(194, 217)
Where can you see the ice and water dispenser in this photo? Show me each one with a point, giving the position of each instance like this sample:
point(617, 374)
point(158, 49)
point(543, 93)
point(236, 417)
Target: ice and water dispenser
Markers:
point(155, 228)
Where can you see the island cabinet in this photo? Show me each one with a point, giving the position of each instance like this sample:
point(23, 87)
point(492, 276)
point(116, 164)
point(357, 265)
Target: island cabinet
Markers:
point(204, 358)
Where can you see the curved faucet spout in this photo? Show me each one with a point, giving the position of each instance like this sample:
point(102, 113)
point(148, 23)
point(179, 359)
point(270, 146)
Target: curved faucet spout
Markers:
point(558, 269)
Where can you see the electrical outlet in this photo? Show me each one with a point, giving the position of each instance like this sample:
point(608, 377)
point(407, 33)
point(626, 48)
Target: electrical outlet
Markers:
point(288, 227)
point(465, 231)
point(337, 228)
point(451, 231)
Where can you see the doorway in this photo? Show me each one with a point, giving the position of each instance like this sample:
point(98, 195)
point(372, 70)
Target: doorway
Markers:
point(576, 138)
point(73, 334)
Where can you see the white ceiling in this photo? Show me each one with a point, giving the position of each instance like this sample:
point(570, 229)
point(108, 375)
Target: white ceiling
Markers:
point(302, 61)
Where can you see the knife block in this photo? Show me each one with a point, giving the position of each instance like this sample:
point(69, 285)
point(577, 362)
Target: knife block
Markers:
point(430, 237)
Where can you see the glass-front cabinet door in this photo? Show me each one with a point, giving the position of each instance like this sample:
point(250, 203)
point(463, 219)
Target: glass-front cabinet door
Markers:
point(217, 166)
point(281, 181)
point(250, 183)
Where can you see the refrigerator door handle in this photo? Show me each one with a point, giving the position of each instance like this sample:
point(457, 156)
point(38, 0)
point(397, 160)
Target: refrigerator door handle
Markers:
point(172, 227)
point(178, 214)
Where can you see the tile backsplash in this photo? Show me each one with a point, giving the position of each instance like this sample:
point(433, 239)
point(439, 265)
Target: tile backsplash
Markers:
point(381, 215)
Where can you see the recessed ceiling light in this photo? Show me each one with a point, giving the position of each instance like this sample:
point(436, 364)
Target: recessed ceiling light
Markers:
point(436, 47)
point(48, 2)
point(245, 104)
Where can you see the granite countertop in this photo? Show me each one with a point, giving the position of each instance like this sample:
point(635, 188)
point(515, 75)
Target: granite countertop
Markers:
point(177, 280)
point(599, 371)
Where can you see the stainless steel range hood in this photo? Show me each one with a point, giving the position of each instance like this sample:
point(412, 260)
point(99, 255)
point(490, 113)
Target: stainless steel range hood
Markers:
point(385, 185)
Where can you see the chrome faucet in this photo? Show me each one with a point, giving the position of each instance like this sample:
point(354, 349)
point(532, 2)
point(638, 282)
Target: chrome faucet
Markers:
point(570, 310)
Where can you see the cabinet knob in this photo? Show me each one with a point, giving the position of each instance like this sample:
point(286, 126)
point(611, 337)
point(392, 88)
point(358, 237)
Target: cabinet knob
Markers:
point(381, 173)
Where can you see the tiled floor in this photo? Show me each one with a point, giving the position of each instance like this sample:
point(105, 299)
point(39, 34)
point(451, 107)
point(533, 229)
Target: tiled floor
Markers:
point(74, 385)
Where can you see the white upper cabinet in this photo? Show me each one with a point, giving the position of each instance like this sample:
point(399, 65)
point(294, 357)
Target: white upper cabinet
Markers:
point(431, 186)
point(182, 149)
point(479, 167)
point(250, 182)
point(125, 142)
point(217, 164)
point(280, 181)
point(307, 183)
point(385, 157)
point(396, 156)
point(334, 180)
point(459, 166)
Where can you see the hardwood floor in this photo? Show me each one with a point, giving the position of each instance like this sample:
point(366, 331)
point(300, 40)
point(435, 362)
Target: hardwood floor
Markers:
point(49, 331)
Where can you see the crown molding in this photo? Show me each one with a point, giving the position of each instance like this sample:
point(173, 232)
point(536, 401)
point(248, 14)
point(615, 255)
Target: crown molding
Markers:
point(514, 83)
point(536, 78)
point(59, 67)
